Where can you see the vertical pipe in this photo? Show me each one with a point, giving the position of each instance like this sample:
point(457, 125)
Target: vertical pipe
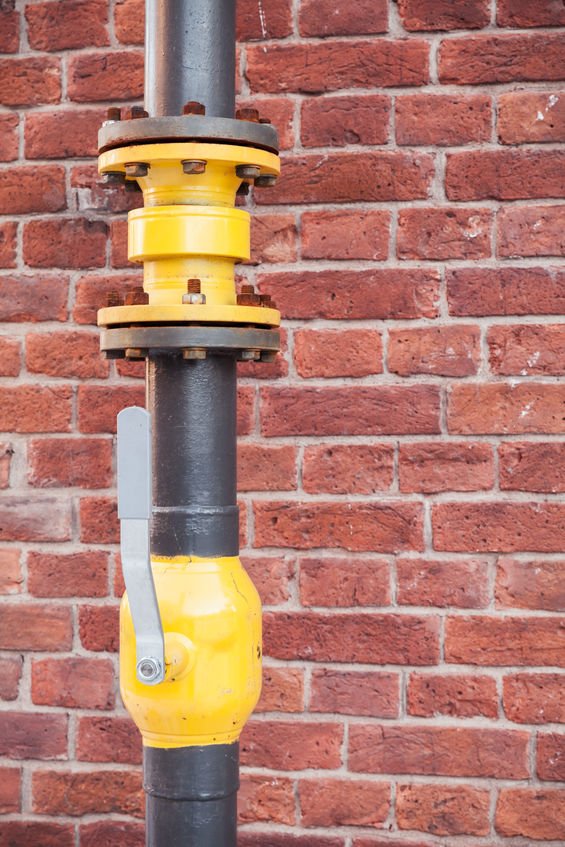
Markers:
point(190, 55)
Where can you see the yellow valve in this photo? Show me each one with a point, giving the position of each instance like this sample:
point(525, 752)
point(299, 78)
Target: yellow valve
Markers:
point(211, 617)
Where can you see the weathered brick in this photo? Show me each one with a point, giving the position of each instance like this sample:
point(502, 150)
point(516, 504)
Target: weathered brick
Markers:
point(503, 408)
point(30, 81)
point(129, 21)
point(8, 244)
point(273, 239)
point(382, 410)
point(343, 582)
point(457, 695)
point(98, 520)
point(443, 809)
point(334, 353)
point(537, 813)
point(348, 468)
point(11, 577)
point(112, 834)
point(531, 116)
point(273, 19)
point(371, 693)
point(532, 584)
point(73, 683)
point(30, 408)
point(33, 298)
point(9, 124)
point(527, 350)
point(325, 18)
point(33, 518)
point(529, 466)
point(382, 527)
point(505, 291)
point(105, 76)
point(281, 839)
point(67, 24)
point(521, 13)
point(340, 120)
point(438, 751)
point(345, 235)
point(272, 576)
point(30, 735)
point(286, 745)
point(442, 350)
point(78, 794)
point(368, 638)
point(35, 626)
point(9, 28)
point(317, 67)
point(432, 582)
point(92, 293)
point(431, 467)
point(65, 243)
point(63, 133)
point(534, 698)
point(266, 798)
point(283, 690)
point(280, 111)
point(10, 676)
point(502, 58)
point(396, 293)
point(34, 834)
point(265, 468)
point(82, 574)
point(422, 15)
point(98, 627)
point(531, 231)
point(448, 233)
point(550, 756)
point(340, 802)
point(481, 640)
point(66, 354)
point(505, 175)
point(10, 788)
point(445, 120)
point(108, 739)
point(26, 189)
point(98, 405)
point(6, 450)
point(85, 462)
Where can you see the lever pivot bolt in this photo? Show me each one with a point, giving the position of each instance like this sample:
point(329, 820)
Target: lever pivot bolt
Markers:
point(148, 669)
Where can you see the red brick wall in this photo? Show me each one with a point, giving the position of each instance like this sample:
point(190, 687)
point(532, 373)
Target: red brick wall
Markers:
point(401, 467)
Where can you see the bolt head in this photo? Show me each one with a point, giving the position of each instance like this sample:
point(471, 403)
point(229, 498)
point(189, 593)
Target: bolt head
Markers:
point(265, 181)
point(248, 171)
point(247, 115)
point(193, 107)
point(194, 166)
point(194, 353)
point(250, 355)
point(136, 169)
point(148, 669)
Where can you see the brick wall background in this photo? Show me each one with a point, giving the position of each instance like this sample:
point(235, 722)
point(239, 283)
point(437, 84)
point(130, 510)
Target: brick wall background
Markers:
point(402, 466)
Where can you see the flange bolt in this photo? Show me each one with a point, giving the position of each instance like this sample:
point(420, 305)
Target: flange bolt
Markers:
point(114, 114)
point(136, 297)
point(193, 166)
point(193, 107)
point(248, 114)
point(248, 171)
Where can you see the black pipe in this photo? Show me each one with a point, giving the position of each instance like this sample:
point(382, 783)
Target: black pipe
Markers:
point(193, 410)
point(192, 795)
point(190, 55)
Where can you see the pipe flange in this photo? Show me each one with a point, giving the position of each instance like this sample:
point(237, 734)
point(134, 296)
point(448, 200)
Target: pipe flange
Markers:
point(120, 133)
point(194, 342)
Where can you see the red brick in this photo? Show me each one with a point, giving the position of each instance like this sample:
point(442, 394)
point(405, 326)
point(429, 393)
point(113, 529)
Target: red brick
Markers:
point(78, 794)
point(266, 798)
point(371, 410)
point(367, 638)
point(67, 24)
point(499, 527)
point(11, 578)
point(456, 695)
point(8, 244)
point(98, 405)
point(530, 585)
point(443, 351)
point(521, 13)
point(37, 298)
point(33, 834)
point(445, 120)
point(32, 518)
point(505, 641)
point(529, 466)
point(280, 111)
point(534, 698)
point(62, 134)
point(503, 408)
point(9, 28)
point(340, 802)
point(291, 746)
point(422, 15)
point(35, 626)
point(342, 18)
point(98, 627)
point(431, 467)
point(371, 693)
point(82, 574)
point(430, 582)
point(119, 251)
point(273, 239)
point(532, 812)
point(98, 520)
point(527, 350)
point(438, 751)
point(336, 178)
point(6, 452)
point(108, 739)
point(396, 293)
point(92, 294)
point(66, 354)
point(443, 809)
point(440, 234)
point(345, 235)
point(65, 243)
point(342, 582)
point(30, 735)
point(531, 116)
point(85, 462)
point(502, 58)
point(333, 353)
point(262, 468)
point(273, 19)
point(92, 194)
point(272, 576)
point(112, 834)
point(10, 365)
point(348, 468)
point(383, 527)
point(283, 690)
point(345, 119)
point(9, 137)
point(550, 756)
point(27, 189)
point(106, 76)
point(31, 408)
point(531, 231)
point(505, 291)
point(280, 839)
point(73, 683)
point(10, 787)
point(30, 81)
point(245, 410)
point(10, 675)
point(317, 67)
point(505, 175)
point(129, 21)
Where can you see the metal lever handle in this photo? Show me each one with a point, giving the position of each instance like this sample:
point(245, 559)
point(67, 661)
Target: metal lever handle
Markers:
point(134, 512)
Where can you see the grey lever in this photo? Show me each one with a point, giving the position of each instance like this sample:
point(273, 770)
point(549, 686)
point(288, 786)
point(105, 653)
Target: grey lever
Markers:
point(134, 512)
